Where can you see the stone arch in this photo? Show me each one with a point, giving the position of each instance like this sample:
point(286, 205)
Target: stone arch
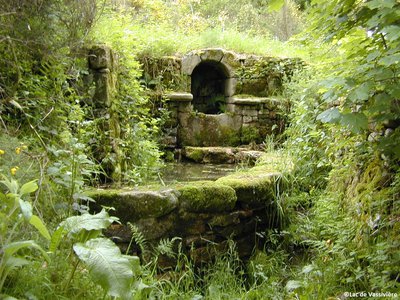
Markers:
point(209, 81)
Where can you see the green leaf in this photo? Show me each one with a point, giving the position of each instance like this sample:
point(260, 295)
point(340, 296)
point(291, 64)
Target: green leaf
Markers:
point(38, 224)
point(107, 266)
point(8, 201)
point(56, 238)
point(28, 188)
point(373, 4)
point(360, 93)
point(389, 60)
point(16, 104)
point(373, 55)
point(15, 262)
point(330, 115)
point(12, 185)
point(307, 269)
point(7, 297)
point(356, 122)
point(26, 209)
point(11, 248)
point(275, 5)
point(394, 91)
point(87, 222)
point(390, 145)
point(381, 103)
point(392, 32)
point(291, 285)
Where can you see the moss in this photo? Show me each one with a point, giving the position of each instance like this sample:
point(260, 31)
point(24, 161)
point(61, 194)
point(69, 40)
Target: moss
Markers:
point(207, 196)
point(214, 134)
point(194, 153)
point(229, 136)
point(214, 155)
point(255, 186)
point(245, 96)
point(209, 130)
point(134, 204)
point(250, 134)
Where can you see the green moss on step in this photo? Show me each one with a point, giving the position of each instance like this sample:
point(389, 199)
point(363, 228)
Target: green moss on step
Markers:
point(254, 186)
point(207, 196)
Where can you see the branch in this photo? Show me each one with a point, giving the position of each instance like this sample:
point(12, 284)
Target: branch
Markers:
point(383, 40)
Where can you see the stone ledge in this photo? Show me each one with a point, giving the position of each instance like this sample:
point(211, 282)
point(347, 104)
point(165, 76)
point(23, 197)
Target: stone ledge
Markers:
point(179, 97)
point(131, 205)
point(254, 187)
point(253, 100)
point(221, 155)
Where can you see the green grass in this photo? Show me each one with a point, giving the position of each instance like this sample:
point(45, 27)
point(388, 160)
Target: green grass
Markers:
point(163, 39)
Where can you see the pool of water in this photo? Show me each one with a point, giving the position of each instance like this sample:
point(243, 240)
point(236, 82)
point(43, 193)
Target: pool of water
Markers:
point(188, 171)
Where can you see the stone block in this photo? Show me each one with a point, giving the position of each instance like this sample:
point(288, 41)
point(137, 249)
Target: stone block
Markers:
point(133, 205)
point(252, 187)
point(189, 62)
point(253, 86)
point(232, 61)
point(214, 155)
point(214, 54)
point(272, 104)
point(230, 108)
point(264, 115)
point(250, 112)
point(179, 97)
point(225, 220)
point(155, 228)
point(200, 240)
point(247, 119)
point(209, 130)
point(230, 86)
point(101, 57)
point(185, 107)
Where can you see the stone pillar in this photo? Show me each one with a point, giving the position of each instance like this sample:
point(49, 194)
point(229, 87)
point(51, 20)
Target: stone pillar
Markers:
point(103, 64)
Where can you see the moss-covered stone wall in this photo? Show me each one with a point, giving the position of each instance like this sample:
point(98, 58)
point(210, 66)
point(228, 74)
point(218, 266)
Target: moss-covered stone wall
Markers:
point(201, 213)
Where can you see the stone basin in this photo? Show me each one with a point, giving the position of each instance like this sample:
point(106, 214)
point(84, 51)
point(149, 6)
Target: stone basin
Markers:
point(189, 171)
point(235, 206)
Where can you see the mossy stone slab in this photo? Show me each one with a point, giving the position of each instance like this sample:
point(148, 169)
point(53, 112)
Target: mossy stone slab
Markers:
point(252, 187)
point(206, 196)
point(133, 205)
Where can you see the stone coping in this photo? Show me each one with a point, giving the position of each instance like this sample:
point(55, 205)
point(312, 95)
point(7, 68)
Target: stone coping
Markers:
point(251, 100)
point(179, 96)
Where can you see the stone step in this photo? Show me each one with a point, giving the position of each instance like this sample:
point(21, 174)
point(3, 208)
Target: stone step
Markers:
point(221, 155)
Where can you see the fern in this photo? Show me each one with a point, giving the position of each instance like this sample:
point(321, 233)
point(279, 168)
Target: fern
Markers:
point(138, 238)
point(165, 247)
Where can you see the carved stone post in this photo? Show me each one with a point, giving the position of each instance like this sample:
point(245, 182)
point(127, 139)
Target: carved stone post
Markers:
point(103, 64)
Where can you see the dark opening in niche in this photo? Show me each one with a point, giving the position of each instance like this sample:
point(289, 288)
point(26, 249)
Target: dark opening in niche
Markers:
point(208, 87)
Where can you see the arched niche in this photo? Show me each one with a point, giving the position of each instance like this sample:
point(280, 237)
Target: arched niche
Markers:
point(209, 87)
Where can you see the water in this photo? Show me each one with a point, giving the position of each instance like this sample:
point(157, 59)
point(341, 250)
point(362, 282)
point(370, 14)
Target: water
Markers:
point(188, 171)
